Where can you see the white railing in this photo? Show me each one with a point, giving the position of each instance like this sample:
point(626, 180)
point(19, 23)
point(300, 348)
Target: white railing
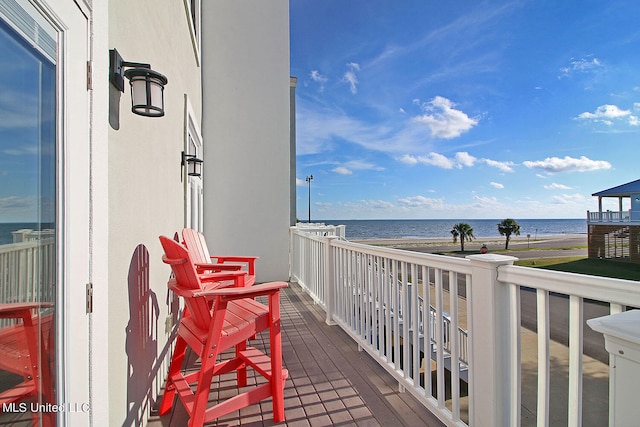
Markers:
point(613, 216)
point(378, 295)
point(321, 229)
point(27, 271)
point(370, 292)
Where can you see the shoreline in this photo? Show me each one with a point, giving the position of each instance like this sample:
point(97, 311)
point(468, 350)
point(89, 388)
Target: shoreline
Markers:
point(476, 242)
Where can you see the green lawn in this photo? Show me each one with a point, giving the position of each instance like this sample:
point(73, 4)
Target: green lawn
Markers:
point(582, 265)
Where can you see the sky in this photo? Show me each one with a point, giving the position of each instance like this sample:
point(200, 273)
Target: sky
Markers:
point(27, 132)
point(464, 109)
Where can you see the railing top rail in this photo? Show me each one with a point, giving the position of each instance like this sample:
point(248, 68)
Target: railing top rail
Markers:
point(460, 265)
point(617, 291)
point(11, 247)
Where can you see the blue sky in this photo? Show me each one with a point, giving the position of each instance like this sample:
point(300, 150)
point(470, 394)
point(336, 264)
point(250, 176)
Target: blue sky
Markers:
point(464, 109)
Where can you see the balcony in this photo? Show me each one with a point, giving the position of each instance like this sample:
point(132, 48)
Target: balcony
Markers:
point(388, 337)
point(613, 217)
point(362, 347)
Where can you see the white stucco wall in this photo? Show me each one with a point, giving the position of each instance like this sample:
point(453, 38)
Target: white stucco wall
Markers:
point(246, 131)
point(145, 199)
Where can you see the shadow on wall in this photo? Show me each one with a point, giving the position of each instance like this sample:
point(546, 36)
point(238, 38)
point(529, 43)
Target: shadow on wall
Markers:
point(141, 339)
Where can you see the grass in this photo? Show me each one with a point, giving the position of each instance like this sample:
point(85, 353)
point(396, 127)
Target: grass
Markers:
point(582, 265)
point(564, 248)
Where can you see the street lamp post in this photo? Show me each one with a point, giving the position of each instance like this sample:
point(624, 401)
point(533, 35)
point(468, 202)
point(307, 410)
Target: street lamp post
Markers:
point(309, 179)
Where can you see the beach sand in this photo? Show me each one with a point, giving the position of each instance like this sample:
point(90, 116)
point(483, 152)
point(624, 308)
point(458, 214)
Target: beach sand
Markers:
point(493, 243)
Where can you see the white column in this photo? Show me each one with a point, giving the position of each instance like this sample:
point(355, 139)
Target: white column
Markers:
point(491, 382)
point(622, 341)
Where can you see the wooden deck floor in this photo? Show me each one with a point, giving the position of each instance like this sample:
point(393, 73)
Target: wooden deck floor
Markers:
point(330, 381)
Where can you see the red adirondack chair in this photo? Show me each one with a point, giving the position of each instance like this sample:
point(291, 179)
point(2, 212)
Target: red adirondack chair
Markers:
point(222, 317)
point(204, 261)
point(24, 351)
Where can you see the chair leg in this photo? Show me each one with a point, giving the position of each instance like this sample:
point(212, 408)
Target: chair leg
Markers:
point(277, 382)
point(208, 358)
point(176, 365)
point(241, 372)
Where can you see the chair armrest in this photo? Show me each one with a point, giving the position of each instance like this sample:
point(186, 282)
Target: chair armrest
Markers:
point(173, 261)
point(250, 260)
point(211, 266)
point(234, 258)
point(238, 277)
point(238, 293)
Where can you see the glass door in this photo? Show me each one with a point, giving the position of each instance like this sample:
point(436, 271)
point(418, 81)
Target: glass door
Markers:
point(44, 225)
point(28, 225)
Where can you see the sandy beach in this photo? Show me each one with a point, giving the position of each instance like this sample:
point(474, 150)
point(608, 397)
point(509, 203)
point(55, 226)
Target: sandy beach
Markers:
point(494, 243)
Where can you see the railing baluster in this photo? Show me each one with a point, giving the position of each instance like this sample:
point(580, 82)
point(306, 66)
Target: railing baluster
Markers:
point(426, 329)
point(455, 364)
point(396, 314)
point(439, 320)
point(543, 357)
point(516, 374)
point(406, 319)
point(415, 326)
point(575, 360)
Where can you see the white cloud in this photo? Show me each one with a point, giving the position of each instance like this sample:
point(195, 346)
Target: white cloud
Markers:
point(318, 78)
point(377, 204)
point(607, 114)
point(565, 199)
point(300, 182)
point(351, 78)
point(432, 159)
point(568, 164)
point(362, 165)
point(581, 66)
point(496, 185)
point(555, 186)
point(461, 159)
point(421, 202)
point(408, 159)
point(465, 159)
point(15, 202)
point(503, 166)
point(443, 120)
point(342, 170)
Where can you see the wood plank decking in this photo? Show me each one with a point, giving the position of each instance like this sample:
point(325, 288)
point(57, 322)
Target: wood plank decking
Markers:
point(330, 381)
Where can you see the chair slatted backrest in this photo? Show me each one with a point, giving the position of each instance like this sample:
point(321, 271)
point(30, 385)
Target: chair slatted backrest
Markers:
point(195, 241)
point(186, 278)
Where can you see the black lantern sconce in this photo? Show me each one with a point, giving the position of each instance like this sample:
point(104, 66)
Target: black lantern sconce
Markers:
point(193, 164)
point(147, 85)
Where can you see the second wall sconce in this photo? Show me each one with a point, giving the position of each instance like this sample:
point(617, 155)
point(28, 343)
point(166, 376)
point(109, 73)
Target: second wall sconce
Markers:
point(147, 85)
point(193, 164)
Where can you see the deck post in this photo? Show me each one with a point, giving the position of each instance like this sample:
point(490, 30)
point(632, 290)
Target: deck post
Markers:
point(491, 378)
point(622, 340)
point(329, 279)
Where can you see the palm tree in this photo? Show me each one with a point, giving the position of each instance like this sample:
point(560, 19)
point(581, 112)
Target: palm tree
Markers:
point(508, 227)
point(464, 231)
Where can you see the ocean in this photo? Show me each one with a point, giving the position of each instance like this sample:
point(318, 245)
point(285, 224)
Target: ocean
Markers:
point(440, 228)
point(407, 228)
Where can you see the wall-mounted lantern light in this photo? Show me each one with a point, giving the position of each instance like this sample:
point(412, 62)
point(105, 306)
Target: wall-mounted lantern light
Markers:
point(147, 85)
point(193, 164)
